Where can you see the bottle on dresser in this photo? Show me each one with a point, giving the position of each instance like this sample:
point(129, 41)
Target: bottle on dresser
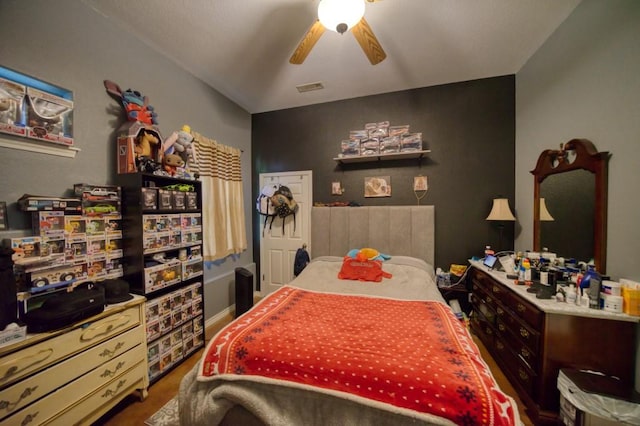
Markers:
point(591, 283)
point(571, 295)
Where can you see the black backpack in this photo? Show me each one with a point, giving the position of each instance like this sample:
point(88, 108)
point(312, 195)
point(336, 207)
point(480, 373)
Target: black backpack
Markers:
point(264, 204)
point(300, 261)
point(276, 201)
point(284, 204)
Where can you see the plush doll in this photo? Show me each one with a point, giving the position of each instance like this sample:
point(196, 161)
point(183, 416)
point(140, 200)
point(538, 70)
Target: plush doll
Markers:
point(135, 104)
point(146, 142)
point(367, 254)
point(171, 163)
point(181, 143)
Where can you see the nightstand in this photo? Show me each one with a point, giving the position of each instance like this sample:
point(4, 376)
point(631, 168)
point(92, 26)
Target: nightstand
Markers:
point(460, 291)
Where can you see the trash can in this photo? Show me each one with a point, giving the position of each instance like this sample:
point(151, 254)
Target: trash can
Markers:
point(591, 398)
point(244, 291)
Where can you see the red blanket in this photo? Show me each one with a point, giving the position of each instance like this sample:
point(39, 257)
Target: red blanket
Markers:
point(411, 354)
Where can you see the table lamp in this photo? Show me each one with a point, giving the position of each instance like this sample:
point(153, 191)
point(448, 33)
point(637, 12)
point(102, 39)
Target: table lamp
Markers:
point(501, 212)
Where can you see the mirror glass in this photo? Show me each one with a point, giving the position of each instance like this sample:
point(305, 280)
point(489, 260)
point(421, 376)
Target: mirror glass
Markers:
point(570, 200)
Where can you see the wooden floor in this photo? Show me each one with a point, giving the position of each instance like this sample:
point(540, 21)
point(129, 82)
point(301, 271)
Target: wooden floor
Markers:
point(133, 412)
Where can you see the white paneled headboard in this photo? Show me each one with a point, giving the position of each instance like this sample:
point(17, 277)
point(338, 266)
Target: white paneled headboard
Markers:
point(394, 230)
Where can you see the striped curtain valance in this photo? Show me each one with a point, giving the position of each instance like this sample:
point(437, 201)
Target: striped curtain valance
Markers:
point(216, 160)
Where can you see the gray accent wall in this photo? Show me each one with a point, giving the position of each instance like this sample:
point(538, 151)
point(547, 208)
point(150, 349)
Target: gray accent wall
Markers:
point(68, 44)
point(469, 128)
point(584, 83)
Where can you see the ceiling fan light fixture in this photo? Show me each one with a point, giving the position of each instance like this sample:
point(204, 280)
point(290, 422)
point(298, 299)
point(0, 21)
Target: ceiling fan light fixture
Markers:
point(340, 15)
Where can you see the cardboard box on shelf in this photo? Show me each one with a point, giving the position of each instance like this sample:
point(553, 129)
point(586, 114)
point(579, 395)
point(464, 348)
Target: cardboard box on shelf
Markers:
point(49, 117)
point(12, 98)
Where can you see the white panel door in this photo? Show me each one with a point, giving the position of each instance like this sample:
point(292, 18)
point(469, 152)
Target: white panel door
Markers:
point(280, 240)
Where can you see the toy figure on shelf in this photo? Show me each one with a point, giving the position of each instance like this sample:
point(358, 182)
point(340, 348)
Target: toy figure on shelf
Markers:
point(172, 162)
point(139, 145)
point(146, 150)
point(180, 143)
point(145, 143)
point(135, 104)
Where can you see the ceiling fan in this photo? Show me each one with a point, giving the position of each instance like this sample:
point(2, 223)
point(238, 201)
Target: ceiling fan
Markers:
point(341, 16)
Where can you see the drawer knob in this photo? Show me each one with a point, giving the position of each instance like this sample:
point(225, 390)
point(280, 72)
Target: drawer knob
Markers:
point(111, 392)
point(27, 362)
point(525, 353)
point(523, 374)
point(109, 354)
point(501, 327)
point(109, 373)
point(9, 406)
point(104, 329)
point(496, 289)
point(500, 311)
point(521, 307)
point(29, 418)
point(524, 332)
point(500, 345)
point(488, 331)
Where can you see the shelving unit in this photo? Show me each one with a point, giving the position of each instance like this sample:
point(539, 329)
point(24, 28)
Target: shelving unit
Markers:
point(382, 157)
point(163, 262)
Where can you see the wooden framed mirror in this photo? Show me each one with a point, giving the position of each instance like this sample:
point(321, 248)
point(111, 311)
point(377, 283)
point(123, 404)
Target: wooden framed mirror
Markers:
point(570, 202)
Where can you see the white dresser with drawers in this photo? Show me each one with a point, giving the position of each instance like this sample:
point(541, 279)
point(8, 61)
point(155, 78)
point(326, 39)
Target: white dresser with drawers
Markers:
point(75, 375)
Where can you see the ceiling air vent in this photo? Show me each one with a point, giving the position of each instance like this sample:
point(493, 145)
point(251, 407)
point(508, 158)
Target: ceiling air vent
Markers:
point(309, 87)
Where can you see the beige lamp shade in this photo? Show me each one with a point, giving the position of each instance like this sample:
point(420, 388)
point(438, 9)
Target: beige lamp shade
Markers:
point(545, 216)
point(501, 210)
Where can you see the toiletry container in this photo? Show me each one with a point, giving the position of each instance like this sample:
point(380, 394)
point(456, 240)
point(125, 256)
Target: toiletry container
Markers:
point(571, 294)
point(589, 275)
point(592, 282)
point(613, 303)
point(630, 297)
point(611, 288)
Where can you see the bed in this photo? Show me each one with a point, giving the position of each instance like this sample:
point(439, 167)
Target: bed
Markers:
point(324, 350)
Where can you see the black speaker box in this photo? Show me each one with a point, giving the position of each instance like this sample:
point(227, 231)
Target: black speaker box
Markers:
point(65, 308)
point(244, 291)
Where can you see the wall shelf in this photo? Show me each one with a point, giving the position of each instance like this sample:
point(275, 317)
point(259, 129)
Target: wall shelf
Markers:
point(382, 157)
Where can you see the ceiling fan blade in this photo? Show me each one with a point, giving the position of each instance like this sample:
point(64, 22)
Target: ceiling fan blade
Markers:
point(368, 41)
point(306, 44)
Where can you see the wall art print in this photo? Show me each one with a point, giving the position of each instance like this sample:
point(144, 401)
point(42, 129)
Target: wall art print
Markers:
point(379, 186)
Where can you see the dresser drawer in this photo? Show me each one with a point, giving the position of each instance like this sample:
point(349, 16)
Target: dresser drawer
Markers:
point(527, 349)
point(34, 387)
point(526, 311)
point(114, 390)
point(21, 363)
point(484, 307)
point(480, 278)
point(100, 385)
point(482, 329)
point(517, 370)
point(521, 331)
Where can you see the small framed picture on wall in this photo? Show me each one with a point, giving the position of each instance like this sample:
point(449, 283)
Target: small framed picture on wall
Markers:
point(420, 183)
point(336, 188)
point(379, 186)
